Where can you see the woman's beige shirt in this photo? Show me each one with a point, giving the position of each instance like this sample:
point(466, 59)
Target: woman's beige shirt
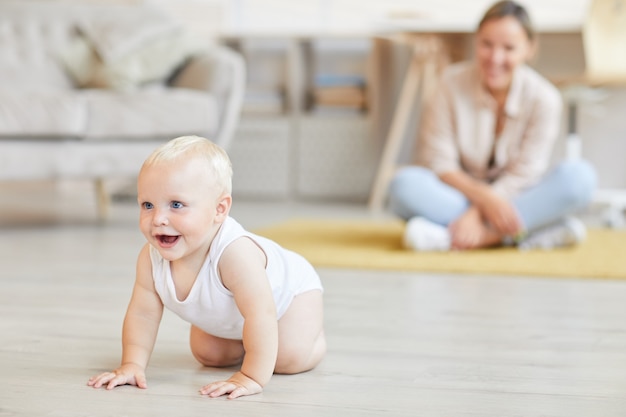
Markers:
point(458, 129)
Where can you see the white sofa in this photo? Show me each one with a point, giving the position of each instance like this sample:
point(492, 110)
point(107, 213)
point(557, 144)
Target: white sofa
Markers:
point(89, 90)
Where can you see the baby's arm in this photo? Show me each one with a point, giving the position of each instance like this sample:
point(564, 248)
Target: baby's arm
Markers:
point(242, 269)
point(139, 333)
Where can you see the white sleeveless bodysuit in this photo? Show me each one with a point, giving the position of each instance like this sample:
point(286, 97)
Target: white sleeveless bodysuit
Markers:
point(210, 306)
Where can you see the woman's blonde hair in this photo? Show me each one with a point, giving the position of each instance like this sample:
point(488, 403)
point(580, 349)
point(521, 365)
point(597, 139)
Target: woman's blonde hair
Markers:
point(218, 162)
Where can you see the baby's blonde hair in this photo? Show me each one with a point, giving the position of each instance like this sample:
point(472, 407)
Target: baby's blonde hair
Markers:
point(218, 162)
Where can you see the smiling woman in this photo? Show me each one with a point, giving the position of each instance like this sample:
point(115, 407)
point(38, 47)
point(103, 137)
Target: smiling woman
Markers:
point(484, 148)
point(504, 41)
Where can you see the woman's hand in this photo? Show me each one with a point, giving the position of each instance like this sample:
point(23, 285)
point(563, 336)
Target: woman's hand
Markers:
point(467, 231)
point(128, 374)
point(493, 209)
point(501, 215)
point(237, 385)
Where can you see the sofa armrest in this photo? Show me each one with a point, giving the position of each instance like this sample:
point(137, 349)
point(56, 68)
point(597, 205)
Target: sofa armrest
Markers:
point(221, 72)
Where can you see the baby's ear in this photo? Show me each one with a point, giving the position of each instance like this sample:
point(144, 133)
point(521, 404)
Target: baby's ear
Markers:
point(223, 207)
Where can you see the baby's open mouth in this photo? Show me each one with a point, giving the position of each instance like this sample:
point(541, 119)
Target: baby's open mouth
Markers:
point(167, 240)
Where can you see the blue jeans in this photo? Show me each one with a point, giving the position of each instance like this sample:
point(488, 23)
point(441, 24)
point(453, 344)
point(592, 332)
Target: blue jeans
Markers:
point(417, 191)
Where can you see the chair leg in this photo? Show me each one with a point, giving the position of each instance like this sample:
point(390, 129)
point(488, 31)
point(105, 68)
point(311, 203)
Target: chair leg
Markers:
point(614, 216)
point(103, 199)
point(614, 202)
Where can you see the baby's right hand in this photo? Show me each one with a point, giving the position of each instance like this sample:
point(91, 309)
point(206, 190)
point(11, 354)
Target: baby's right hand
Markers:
point(128, 374)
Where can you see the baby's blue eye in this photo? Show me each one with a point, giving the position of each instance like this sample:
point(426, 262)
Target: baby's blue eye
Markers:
point(177, 204)
point(147, 205)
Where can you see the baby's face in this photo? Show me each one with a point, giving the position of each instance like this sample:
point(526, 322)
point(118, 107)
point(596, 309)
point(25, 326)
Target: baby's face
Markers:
point(179, 210)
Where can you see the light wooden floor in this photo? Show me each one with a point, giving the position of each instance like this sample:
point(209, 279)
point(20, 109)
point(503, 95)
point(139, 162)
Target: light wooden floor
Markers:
point(400, 344)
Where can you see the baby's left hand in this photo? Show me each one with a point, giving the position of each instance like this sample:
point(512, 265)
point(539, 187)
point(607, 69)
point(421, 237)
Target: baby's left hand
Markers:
point(237, 385)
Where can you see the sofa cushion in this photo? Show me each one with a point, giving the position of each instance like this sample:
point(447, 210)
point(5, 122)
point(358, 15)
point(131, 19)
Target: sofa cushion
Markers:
point(153, 61)
point(32, 160)
point(29, 42)
point(42, 113)
point(148, 113)
point(122, 47)
point(116, 31)
point(35, 36)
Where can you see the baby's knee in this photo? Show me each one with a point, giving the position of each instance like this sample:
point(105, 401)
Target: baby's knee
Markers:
point(289, 365)
point(214, 351)
point(216, 358)
point(297, 358)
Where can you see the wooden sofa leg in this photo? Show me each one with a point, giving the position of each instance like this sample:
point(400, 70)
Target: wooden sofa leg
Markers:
point(103, 199)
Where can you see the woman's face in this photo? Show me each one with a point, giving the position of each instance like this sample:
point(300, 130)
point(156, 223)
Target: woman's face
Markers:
point(502, 45)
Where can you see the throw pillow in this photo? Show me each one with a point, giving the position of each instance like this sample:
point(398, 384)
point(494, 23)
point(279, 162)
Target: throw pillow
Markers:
point(149, 62)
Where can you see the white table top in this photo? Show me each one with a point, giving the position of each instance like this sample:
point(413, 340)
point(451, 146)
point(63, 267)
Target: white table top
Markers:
point(382, 27)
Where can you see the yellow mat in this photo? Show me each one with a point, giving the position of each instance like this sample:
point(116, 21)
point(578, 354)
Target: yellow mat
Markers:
point(371, 244)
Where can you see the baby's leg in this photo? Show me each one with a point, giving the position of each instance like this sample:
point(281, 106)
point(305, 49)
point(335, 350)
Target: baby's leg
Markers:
point(301, 341)
point(214, 351)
